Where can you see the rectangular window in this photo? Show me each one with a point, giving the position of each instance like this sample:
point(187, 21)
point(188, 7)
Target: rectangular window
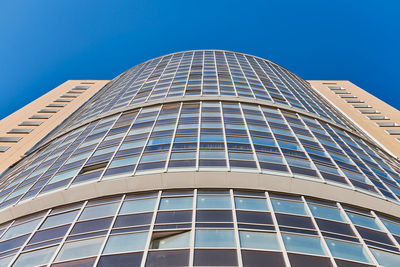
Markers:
point(19, 131)
point(69, 96)
point(361, 106)
point(10, 139)
point(354, 101)
point(377, 117)
point(40, 116)
point(391, 132)
point(342, 92)
point(335, 87)
point(56, 105)
point(368, 111)
point(63, 100)
point(387, 124)
point(30, 123)
point(4, 148)
point(83, 87)
point(48, 110)
point(348, 96)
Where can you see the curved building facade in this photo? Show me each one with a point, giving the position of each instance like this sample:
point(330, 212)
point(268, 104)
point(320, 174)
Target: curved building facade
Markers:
point(203, 158)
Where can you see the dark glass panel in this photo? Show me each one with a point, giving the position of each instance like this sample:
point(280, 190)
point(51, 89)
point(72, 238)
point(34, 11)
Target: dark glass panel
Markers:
point(334, 227)
point(253, 217)
point(253, 258)
point(13, 243)
point(217, 257)
point(174, 217)
point(132, 220)
point(298, 260)
point(214, 216)
point(49, 234)
point(167, 258)
point(121, 260)
point(294, 221)
point(90, 226)
point(343, 263)
point(374, 235)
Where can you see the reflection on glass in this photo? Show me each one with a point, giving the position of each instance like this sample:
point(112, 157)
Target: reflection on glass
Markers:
point(326, 213)
point(213, 202)
point(215, 238)
point(125, 243)
point(136, 206)
point(386, 259)
point(346, 250)
point(363, 221)
point(35, 258)
point(180, 240)
point(286, 206)
point(258, 240)
point(303, 244)
point(247, 203)
point(80, 249)
point(176, 203)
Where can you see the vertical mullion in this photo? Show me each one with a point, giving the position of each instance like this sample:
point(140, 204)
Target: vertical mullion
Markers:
point(228, 165)
point(278, 231)
point(109, 230)
point(148, 241)
point(173, 137)
point(193, 230)
point(319, 232)
point(62, 242)
point(236, 230)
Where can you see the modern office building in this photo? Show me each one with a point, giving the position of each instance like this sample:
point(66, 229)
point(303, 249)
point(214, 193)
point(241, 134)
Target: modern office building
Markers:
point(204, 158)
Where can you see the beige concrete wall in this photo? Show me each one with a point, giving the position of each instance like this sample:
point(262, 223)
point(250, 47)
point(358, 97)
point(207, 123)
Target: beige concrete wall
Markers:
point(390, 142)
point(17, 150)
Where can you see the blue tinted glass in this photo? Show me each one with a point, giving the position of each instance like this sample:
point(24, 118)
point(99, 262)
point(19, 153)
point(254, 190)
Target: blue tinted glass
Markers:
point(303, 244)
point(246, 203)
point(363, 221)
point(215, 238)
point(288, 206)
point(394, 228)
point(174, 241)
point(326, 213)
point(345, 250)
point(213, 202)
point(136, 206)
point(386, 259)
point(258, 240)
point(125, 243)
point(174, 203)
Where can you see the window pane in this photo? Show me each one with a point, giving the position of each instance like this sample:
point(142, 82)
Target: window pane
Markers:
point(20, 229)
point(173, 241)
point(59, 219)
point(326, 213)
point(392, 227)
point(174, 203)
point(35, 258)
point(346, 250)
point(98, 211)
point(125, 243)
point(303, 244)
point(386, 259)
point(80, 249)
point(363, 221)
point(246, 203)
point(258, 240)
point(215, 238)
point(136, 206)
point(213, 202)
point(288, 207)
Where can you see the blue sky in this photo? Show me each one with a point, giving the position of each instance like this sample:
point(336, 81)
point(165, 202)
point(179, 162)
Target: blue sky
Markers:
point(44, 43)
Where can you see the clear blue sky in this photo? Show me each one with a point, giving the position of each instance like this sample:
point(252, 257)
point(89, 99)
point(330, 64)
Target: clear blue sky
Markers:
point(44, 43)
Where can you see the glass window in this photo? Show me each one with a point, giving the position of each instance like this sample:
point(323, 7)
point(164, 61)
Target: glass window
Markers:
point(386, 259)
point(291, 207)
point(392, 227)
point(213, 202)
point(326, 213)
point(98, 211)
point(59, 219)
point(20, 229)
point(215, 238)
point(80, 249)
point(125, 243)
point(174, 203)
point(345, 250)
point(136, 206)
point(180, 240)
point(363, 221)
point(35, 258)
point(258, 240)
point(247, 203)
point(303, 244)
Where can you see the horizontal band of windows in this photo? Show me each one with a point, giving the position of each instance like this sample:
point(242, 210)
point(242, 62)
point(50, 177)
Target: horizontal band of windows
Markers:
point(4, 148)
point(393, 132)
point(10, 139)
point(69, 96)
point(56, 105)
point(30, 123)
point(63, 100)
point(40, 116)
point(48, 110)
point(378, 118)
point(387, 124)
